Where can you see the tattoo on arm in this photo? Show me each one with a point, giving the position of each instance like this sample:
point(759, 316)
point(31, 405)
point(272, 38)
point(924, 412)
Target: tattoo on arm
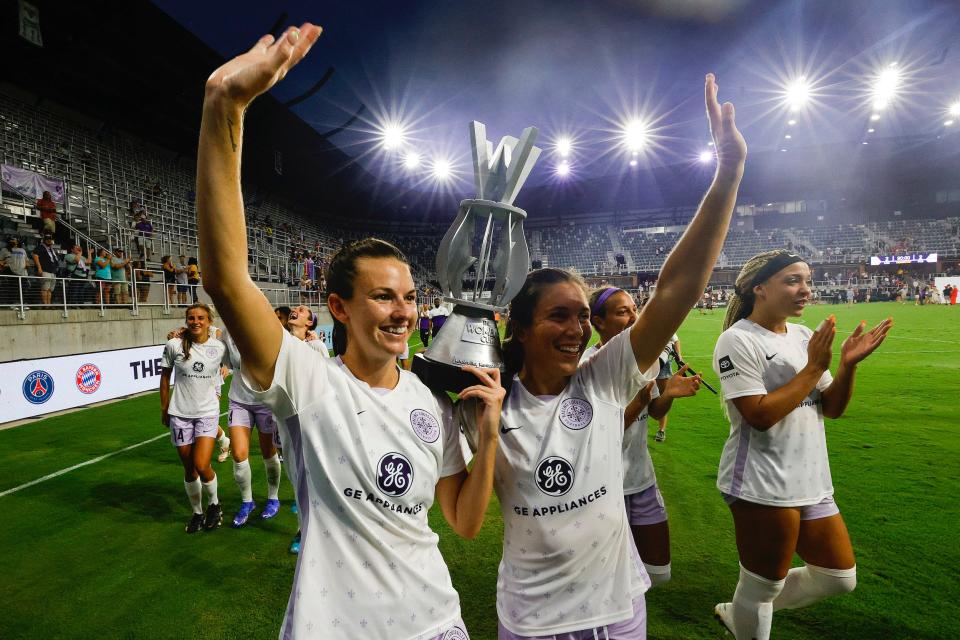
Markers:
point(233, 142)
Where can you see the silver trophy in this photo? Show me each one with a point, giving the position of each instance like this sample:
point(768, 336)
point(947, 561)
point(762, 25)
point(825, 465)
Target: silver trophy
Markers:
point(469, 336)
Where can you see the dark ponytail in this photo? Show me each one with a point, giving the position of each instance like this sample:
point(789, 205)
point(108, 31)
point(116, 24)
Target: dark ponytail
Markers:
point(343, 270)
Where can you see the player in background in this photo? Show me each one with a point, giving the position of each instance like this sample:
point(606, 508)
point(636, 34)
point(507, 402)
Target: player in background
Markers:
point(774, 472)
point(612, 311)
point(192, 411)
point(438, 315)
point(570, 568)
point(370, 445)
point(662, 378)
point(424, 325)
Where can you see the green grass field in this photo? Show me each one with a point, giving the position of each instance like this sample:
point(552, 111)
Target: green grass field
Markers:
point(100, 551)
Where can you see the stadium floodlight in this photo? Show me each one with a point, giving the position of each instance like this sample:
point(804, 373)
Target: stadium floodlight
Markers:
point(788, 137)
point(871, 130)
point(633, 163)
point(791, 122)
point(412, 160)
point(797, 93)
point(947, 123)
point(392, 136)
point(955, 109)
point(874, 117)
point(563, 169)
point(636, 136)
point(564, 146)
point(886, 85)
point(705, 156)
point(442, 170)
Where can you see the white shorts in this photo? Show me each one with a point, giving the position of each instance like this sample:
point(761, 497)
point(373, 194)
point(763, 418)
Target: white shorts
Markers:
point(250, 415)
point(184, 431)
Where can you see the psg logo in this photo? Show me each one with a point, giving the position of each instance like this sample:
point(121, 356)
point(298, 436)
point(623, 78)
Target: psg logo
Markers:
point(38, 387)
point(424, 425)
point(394, 474)
point(88, 378)
point(198, 367)
point(575, 413)
point(554, 476)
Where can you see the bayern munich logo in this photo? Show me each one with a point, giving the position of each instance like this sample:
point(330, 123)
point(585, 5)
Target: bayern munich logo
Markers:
point(38, 387)
point(394, 474)
point(575, 413)
point(554, 476)
point(88, 378)
point(424, 425)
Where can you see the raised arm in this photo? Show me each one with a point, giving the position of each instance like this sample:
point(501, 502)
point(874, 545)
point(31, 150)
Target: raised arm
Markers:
point(688, 267)
point(221, 228)
point(854, 350)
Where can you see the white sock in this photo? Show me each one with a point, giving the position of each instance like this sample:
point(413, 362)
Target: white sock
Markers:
point(241, 473)
point(193, 494)
point(659, 573)
point(210, 490)
point(808, 584)
point(272, 466)
point(222, 438)
point(752, 605)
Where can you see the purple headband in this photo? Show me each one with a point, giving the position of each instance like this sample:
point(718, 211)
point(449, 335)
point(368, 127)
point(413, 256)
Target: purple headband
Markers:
point(603, 298)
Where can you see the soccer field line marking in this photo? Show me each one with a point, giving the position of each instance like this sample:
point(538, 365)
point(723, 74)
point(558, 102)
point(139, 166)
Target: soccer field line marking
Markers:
point(51, 476)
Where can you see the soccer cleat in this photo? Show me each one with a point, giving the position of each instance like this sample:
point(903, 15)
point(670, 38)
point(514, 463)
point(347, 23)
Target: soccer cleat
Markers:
point(214, 517)
point(661, 435)
point(295, 544)
point(294, 508)
point(224, 448)
point(195, 524)
point(240, 519)
point(271, 509)
point(723, 612)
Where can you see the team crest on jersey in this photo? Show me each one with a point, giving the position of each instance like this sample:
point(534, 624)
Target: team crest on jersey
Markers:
point(575, 413)
point(456, 633)
point(198, 367)
point(554, 476)
point(725, 364)
point(394, 474)
point(424, 425)
point(88, 378)
point(38, 387)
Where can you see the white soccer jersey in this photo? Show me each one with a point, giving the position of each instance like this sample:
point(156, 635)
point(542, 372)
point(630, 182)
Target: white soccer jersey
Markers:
point(786, 465)
point(638, 473)
point(196, 381)
point(569, 561)
point(319, 347)
point(366, 465)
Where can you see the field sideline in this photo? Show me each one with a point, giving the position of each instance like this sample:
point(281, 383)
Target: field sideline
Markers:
point(100, 551)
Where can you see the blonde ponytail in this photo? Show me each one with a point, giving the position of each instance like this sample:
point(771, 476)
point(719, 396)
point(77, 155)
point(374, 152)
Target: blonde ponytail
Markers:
point(741, 303)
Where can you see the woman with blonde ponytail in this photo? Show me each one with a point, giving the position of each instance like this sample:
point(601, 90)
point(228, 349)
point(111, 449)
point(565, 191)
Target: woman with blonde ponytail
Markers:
point(774, 472)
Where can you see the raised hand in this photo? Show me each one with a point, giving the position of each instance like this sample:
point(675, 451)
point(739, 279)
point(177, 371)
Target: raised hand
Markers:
point(489, 395)
point(859, 345)
point(679, 386)
point(730, 145)
point(820, 348)
point(248, 75)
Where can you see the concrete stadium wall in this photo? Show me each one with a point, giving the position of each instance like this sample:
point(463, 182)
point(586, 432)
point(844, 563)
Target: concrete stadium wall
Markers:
point(45, 333)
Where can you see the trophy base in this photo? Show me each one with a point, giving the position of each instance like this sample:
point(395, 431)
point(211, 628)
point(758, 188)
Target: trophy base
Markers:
point(440, 376)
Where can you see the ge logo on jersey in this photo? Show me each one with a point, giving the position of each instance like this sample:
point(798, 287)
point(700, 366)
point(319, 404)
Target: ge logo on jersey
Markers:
point(575, 413)
point(424, 425)
point(394, 474)
point(198, 367)
point(554, 476)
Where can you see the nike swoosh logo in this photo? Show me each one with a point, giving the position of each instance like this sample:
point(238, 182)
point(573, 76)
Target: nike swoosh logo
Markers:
point(359, 412)
point(769, 357)
point(505, 430)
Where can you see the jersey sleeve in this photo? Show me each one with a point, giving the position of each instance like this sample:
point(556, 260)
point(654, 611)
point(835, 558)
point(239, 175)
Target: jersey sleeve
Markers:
point(825, 381)
point(613, 370)
point(169, 357)
point(453, 460)
point(299, 378)
point(736, 363)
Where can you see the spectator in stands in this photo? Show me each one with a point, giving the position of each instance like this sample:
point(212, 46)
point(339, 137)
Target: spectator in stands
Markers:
point(13, 262)
point(136, 208)
point(78, 270)
point(144, 235)
point(193, 277)
point(118, 270)
point(142, 277)
point(47, 262)
point(183, 285)
point(103, 275)
point(170, 278)
point(48, 213)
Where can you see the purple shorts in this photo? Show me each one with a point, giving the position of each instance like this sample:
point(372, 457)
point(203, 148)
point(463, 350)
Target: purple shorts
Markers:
point(646, 507)
point(248, 415)
point(184, 431)
point(823, 509)
point(633, 629)
point(457, 632)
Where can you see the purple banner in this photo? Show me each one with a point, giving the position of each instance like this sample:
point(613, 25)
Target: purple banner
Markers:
point(30, 183)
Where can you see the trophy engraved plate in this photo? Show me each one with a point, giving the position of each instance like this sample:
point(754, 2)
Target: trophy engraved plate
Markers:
point(482, 262)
